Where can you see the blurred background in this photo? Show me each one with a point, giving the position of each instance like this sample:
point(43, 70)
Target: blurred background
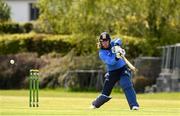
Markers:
point(59, 38)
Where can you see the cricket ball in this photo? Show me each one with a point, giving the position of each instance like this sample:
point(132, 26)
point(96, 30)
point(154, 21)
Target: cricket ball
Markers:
point(12, 61)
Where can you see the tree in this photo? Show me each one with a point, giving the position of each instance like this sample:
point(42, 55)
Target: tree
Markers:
point(140, 18)
point(4, 11)
point(54, 15)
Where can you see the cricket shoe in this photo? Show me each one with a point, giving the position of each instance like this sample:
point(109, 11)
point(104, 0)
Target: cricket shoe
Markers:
point(135, 108)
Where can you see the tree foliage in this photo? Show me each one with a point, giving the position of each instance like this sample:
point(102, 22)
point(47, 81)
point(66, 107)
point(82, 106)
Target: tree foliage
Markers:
point(54, 16)
point(4, 11)
point(156, 20)
point(130, 17)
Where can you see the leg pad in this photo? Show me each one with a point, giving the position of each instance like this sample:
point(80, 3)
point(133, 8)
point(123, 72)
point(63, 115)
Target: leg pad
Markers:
point(100, 100)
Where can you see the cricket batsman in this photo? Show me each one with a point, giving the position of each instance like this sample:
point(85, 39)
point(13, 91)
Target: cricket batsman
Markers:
point(117, 72)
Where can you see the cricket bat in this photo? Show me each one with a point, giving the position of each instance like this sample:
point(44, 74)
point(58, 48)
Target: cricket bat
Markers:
point(133, 68)
point(116, 49)
point(129, 64)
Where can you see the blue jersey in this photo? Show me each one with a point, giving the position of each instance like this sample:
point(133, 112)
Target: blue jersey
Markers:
point(109, 58)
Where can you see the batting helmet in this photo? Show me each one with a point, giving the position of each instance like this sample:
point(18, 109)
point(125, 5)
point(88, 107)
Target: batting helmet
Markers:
point(104, 35)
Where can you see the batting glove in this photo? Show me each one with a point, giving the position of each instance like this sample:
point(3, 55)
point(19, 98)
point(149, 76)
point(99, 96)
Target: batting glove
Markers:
point(118, 50)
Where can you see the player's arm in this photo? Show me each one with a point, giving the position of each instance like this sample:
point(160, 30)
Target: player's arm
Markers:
point(109, 59)
point(120, 53)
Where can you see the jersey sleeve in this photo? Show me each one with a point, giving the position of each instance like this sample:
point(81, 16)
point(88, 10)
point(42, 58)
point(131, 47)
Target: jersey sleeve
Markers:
point(109, 59)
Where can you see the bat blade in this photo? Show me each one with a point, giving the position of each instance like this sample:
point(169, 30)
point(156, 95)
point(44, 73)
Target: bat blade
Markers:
point(133, 68)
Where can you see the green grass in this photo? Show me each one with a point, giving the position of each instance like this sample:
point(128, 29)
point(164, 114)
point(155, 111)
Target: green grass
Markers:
point(62, 103)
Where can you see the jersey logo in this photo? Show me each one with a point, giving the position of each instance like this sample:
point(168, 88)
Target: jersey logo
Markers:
point(109, 53)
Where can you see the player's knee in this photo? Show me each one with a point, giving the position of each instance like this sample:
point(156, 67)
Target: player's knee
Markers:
point(127, 73)
point(100, 100)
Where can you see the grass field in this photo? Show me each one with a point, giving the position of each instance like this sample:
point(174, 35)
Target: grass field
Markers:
point(61, 103)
